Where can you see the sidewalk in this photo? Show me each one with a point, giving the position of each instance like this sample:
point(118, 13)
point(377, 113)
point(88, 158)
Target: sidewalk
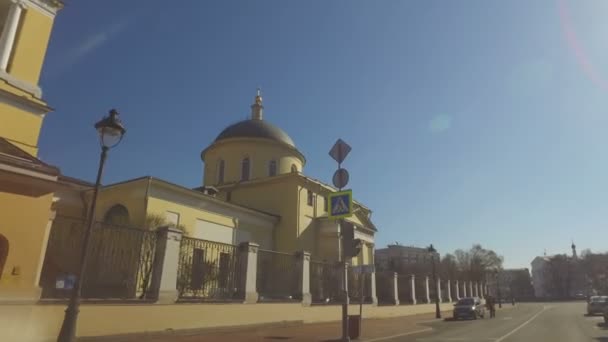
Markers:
point(372, 330)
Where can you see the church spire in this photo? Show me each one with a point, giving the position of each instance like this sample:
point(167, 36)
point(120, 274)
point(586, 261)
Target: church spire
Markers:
point(257, 109)
point(573, 250)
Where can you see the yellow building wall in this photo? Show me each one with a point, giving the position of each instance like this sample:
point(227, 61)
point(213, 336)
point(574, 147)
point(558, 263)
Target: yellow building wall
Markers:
point(20, 127)
point(131, 195)
point(30, 46)
point(187, 215)
point(278, 198)
point(260, 154)
point(23, 221)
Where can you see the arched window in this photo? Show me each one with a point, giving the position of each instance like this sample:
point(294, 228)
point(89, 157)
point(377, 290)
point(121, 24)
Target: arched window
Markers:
point(294, 168)
point(221, 165)
point(3, 253)
point(245, 169)
point(272, 168)
point(117, 214)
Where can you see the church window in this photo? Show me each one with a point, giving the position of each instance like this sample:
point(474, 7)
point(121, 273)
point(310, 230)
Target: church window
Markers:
point(309, 198)
point(245, 169)
point(117, 214)
point(272, 168)
point(294, 168)
point(221, 166)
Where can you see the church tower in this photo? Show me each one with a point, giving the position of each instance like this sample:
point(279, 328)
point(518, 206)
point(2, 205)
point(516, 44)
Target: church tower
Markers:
point(573, 246)
point(26, 183)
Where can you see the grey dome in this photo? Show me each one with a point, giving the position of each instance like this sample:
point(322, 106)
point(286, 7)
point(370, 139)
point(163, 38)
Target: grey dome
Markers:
point(255, 129)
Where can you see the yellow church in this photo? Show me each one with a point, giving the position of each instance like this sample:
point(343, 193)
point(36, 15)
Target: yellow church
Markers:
point(253, 189)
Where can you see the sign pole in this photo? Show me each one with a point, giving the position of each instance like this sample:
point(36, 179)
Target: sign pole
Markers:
point(339, 152)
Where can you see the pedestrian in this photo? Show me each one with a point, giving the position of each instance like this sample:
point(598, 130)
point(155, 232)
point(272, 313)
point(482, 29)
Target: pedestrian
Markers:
point(490, 305)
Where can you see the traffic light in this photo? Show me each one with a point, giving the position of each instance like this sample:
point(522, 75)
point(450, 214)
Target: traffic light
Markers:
point(352, 246)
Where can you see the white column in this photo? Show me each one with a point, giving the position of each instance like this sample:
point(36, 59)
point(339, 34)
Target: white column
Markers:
point(457, 290)
point(464, 288)
point(449, 291)
point(163, 286)
point(250, 255)
point(471, 289)
point(413, 288)
point(304, 266)
point(477, 289)
point(428, 293)
point(373, 288)
point(7, 39)
point(394, 284)
point(438, 293)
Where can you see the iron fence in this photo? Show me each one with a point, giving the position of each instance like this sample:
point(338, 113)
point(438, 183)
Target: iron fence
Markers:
point(420, 290)
point(209, 271)
point(358, 282)
point(278, 278)
point(384, 287)
point(325, 282)
point(404, 288)
point(119, 263)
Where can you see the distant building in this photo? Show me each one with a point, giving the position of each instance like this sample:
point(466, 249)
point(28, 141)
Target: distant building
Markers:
point(539, 273)
point(400, 258)
point(572, 280)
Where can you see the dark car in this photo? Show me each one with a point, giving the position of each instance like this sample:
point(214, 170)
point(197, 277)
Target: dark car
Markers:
point(596, 305)
point(469, 307)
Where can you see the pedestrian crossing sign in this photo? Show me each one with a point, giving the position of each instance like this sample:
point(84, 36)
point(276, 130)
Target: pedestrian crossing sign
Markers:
point(340, 204)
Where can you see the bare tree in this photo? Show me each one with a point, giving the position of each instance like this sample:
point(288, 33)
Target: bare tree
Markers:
point(476, 262)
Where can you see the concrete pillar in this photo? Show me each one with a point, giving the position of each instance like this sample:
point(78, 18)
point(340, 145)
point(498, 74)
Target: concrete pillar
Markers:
point(457, 290)
point(438, 293)
point(464, 288)
point(304, 286)
point(413, 288)
point(163, 286)
point(428, 293)
point(7, 39)
point(478, 293)
point(470, 289)
point(449, 291)
point(373, 289)
point(249, 255)
point(394, 287)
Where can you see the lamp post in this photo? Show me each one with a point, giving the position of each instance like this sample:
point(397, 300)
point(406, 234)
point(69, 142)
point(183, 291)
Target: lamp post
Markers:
point(498, 288)
point(110, 131)
point(432, 251)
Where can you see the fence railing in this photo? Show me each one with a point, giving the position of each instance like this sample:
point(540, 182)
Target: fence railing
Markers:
point(404, 288)
point(384, 286)
point(358, 282)
point(420, 290)
point(209, 271)
point(119, 264)
point(277, 277)
point(325, 281)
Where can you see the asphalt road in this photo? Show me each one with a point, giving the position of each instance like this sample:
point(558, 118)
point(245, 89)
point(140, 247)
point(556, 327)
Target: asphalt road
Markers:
point(534, 322)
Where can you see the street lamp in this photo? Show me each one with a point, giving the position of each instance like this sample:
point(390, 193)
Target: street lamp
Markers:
point(432, 251)
point(110, 131)
point(498, 288)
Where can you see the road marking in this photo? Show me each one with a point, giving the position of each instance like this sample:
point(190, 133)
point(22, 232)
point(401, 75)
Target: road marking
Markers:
point(522, 325)
point(399, 335)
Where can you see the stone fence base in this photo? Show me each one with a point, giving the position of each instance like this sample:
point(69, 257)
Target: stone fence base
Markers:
point(38, 323)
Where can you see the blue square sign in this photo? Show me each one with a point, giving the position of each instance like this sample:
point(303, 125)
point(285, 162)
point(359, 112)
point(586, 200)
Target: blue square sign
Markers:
point(340, 204)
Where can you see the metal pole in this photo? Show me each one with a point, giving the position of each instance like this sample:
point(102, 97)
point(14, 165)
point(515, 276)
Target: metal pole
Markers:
point(68, 327)
point(498, 290)
point(437, 310)
point(345, 336)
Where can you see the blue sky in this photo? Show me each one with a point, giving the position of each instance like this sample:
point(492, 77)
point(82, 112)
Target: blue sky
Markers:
point(470, 121)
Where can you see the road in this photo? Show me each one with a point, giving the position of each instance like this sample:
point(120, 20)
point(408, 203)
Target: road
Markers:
point(551, 322)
